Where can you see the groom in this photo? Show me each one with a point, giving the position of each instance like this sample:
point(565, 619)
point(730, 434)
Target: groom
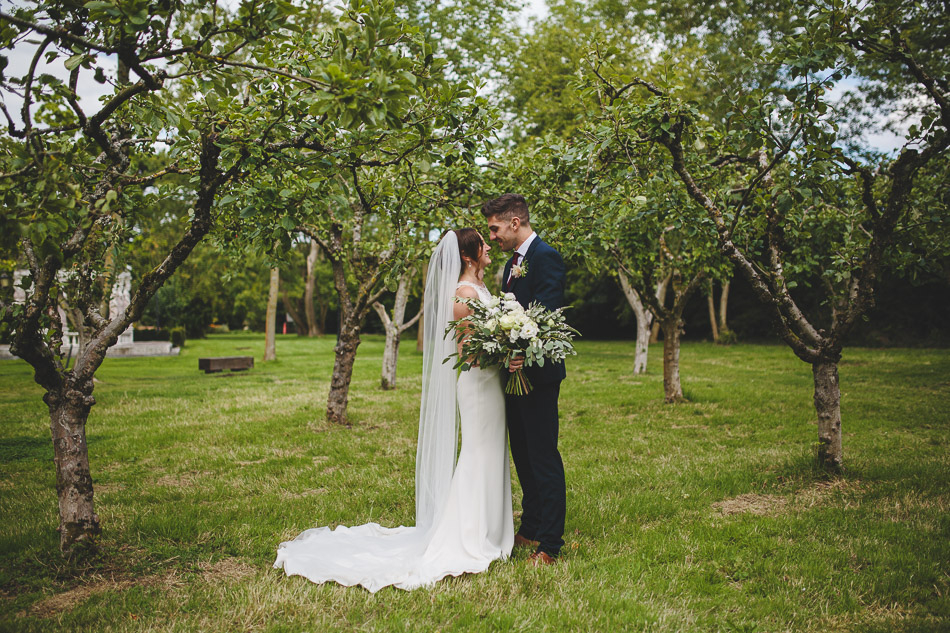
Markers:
point(535, 273)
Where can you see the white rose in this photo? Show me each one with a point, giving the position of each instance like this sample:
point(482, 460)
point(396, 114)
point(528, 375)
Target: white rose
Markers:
point(529, 329)
point(510, 296)
point(513, 306)
point(507, 321)
point(493, 302)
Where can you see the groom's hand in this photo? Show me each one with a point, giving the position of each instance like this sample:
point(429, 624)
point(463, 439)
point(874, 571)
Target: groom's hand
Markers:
point(515, 364)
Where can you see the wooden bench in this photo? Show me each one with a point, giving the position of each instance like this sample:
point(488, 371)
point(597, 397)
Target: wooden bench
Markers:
point(220, 363)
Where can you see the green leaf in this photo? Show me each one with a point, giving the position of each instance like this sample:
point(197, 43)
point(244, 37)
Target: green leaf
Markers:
point(73, 62)
point(139, 18)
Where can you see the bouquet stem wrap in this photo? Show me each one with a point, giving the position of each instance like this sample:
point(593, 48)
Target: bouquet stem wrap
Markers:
point(518, 384)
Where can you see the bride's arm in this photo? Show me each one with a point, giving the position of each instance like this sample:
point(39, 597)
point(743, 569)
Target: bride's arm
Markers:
point(461, 311)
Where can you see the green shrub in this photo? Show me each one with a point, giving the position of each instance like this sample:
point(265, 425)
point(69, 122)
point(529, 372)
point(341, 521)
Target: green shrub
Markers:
point(727, 337)
point(177, 336)
point(150, 334)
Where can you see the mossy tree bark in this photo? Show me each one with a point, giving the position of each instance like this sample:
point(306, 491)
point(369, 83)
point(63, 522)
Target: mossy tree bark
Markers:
point(828, 407)
point(672, 388)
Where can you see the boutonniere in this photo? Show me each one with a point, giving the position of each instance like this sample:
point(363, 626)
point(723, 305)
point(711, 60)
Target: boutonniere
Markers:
point(519, 270)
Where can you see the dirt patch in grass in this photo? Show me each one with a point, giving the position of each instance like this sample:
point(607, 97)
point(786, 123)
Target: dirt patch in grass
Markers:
point(184, 480)
point(751, 503)
point(226, 569)
point(763, 504)
point(68, 600)
point(821, 490)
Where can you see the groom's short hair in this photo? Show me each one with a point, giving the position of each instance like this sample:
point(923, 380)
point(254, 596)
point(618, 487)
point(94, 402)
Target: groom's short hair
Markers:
point(507, 206)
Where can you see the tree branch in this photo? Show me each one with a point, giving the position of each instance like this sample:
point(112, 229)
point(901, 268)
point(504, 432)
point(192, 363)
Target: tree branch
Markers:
point(225, 62)
point(28, 89)
point(147, 180)
point(58, 33)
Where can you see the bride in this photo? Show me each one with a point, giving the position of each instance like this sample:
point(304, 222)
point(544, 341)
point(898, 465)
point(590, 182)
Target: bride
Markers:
point(463, 509)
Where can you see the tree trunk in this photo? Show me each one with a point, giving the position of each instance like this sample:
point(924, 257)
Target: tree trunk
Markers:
point(270, 347)
point(661, 287)
point(723, 304)
point(828, 407)
point(322, 319)
point(643, 347)
point(394, 327)
point(75, 321)
point(345, 355)
point(673, 391)
point(644, 319)
point(313, 328)
point(712, 313)
point(390, 357)
point(78, 522)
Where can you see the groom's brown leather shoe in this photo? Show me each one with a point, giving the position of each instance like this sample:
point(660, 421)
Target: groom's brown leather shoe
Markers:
point(541, 558)
point(521, 541)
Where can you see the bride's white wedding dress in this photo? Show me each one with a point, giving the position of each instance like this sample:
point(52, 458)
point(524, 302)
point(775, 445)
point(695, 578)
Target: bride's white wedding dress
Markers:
point(472, 527)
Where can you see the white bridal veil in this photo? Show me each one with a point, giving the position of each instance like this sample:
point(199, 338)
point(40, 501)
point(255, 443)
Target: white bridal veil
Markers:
point(438, 413)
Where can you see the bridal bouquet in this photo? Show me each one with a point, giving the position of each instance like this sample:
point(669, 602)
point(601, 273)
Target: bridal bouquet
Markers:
point(500, 329)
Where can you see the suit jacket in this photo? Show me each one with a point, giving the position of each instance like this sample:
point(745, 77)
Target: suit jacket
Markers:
point(542, 283)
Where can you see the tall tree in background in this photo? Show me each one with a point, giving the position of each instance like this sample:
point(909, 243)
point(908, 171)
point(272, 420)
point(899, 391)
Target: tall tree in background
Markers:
point(72, 191)
point(815, 209)
point(351, 194)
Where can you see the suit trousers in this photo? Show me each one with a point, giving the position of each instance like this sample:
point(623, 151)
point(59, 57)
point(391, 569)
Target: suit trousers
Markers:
point(533, 430)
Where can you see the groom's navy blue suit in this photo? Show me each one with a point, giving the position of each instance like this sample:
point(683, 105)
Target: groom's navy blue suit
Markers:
point(533, 418)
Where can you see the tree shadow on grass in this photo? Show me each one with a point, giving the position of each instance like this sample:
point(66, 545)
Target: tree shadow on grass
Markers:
point(24, 447)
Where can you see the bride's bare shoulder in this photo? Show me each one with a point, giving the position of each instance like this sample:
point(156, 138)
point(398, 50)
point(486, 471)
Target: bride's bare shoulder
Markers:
point(465, 291)
point(460, 310)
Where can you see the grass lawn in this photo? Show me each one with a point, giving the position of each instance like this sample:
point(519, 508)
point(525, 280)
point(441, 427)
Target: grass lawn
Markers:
point(702, 516)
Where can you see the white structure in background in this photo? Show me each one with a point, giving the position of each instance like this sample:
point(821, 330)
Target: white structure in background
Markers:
point(121, 297)
point(118, 303)
point(19, 294)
